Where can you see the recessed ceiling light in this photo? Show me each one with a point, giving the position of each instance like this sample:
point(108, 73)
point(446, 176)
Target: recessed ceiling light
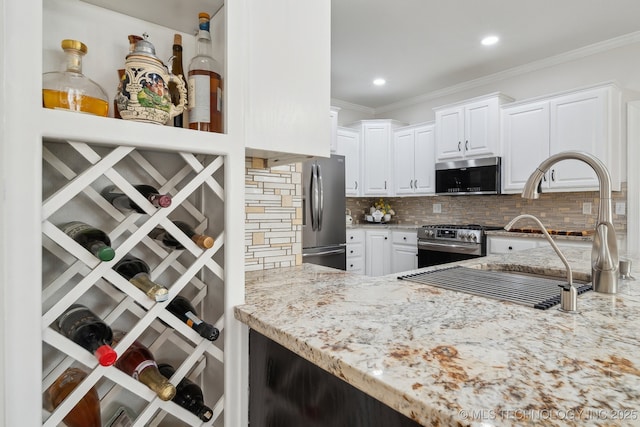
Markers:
point(379, 82)
point(490, 40)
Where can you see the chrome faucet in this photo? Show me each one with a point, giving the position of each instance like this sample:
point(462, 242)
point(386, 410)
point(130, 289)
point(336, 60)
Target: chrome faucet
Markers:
point(569, 294)
point(604, 252)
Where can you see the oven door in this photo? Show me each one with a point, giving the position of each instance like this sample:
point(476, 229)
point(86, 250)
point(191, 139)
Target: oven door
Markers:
point(432, 253)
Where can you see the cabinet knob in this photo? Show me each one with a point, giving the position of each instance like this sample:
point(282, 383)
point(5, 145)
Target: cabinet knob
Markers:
point(553, 174)
point(510, 248)
point(350, 265)
point(385, 238)
point(459, 144)
point(404, 238)
point(351, 237)
point(350, 252)
point(466, 146)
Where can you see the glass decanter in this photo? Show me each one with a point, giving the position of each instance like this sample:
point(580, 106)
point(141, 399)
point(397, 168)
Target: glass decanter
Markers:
point(70, 89)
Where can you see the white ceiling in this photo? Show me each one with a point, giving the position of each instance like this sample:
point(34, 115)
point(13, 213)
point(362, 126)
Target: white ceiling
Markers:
point(423, 46)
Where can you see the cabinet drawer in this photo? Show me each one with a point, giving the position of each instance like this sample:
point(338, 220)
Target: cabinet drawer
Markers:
point(405, 237)
point(355, 265)
point(355, 250)
point(503, 246)
point(355, 236)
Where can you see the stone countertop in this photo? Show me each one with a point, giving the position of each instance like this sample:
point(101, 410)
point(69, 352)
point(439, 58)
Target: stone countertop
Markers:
point(447, 358)
point(377, 226)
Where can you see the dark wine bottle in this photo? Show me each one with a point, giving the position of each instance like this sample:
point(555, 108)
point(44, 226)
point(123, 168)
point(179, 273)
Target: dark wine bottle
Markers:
point(183, 310)
point(137, 272)
point(161, 235)
point(121, 201)
point(94, 240)
point(83, 327)
point(176, 69)
point(86, 413)
point(138, 362)
point(188, 394)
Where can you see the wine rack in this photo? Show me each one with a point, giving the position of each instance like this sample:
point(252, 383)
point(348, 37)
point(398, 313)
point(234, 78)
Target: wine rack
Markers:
point(73, 174)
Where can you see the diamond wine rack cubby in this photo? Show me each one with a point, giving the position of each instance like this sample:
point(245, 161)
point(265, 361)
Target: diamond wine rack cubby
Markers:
point(73, 175)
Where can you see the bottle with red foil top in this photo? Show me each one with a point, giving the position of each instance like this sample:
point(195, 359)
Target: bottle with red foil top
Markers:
point(121, 201)
point(86, 413)
point(138, 362)
point(83, 327)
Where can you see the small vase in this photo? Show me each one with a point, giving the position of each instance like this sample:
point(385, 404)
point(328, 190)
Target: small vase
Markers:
point(387, 217)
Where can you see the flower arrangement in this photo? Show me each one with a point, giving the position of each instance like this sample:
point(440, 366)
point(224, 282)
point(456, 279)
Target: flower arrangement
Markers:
point(384, 207)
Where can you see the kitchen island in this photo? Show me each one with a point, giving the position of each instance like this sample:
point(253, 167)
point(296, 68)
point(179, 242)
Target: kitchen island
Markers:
point(448, 358)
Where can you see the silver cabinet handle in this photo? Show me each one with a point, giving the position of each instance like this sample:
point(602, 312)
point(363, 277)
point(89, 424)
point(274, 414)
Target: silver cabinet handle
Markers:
point(415, 184)
point(356, 186)
point(411, 183)
point(459, 143)
point(385, 185)
point(466, 145)
point(553, 175)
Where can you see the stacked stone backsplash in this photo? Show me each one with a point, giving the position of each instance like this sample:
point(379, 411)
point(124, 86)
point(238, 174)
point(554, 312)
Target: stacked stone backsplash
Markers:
point(560, 211)
point(273, 215)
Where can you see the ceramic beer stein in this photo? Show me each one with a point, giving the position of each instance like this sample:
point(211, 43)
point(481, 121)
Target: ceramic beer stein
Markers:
point(143, 93)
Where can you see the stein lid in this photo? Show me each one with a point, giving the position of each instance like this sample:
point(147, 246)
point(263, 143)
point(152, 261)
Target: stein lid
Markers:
point(145, 47)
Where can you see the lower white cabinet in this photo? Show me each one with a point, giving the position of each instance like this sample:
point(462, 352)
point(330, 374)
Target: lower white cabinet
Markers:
point(377, 252)
point(505, 245)
point(404, 250)
point(355, 251)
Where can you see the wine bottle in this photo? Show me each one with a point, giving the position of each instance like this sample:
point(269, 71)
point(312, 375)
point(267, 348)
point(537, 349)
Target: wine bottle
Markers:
point(83, 327)
point(138, 362)
point(176, 69)
point(205, 83)
point(137, 272)
point(86, 413)
point(121, 201)
point(188, 394)
point(183, 310)
point(94, 240)
point(160, 234)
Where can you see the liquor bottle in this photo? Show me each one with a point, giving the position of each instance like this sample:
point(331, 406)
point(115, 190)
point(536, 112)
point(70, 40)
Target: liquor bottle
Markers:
point(137, 272)
point(160, 234)
point(183, 310)
point(138, 362)
point(121, 201)
point(86, 413)
point(83, 327)
point(205, 83)
point(94, 240)
point(72, 90)
point(176, 69)
point(188, 394)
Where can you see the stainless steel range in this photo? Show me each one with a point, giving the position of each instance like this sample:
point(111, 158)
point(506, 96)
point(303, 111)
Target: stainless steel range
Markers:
point(441, 244)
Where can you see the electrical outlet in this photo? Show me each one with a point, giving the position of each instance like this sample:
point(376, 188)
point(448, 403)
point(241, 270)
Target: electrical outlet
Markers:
point(437, 208)
point(621, 208)
point(586, 208)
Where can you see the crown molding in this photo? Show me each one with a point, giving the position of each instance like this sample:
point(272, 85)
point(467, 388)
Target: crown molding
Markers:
point(350, 106)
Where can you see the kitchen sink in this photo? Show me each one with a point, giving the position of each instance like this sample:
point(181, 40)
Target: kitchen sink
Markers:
point(508, 282)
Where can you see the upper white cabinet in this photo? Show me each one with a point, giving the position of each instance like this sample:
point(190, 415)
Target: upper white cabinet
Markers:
point(469, 129)
point(348, 145)
point(288, 82)
point(585, 120)
point(414, 160)
point(333, 118)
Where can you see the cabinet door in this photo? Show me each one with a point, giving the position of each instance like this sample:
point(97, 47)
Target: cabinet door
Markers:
point(578, 123)
point(333, 118)
point(525, 141)
point(377, 253)
point(404, 159)
point(376, 159)
point(505, 245)
point(404, 258)
point(449, 134)
point(424, 162)
point(348, 145)
point(481, 128)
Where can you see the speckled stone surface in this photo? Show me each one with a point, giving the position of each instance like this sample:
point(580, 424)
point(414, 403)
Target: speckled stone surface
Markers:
point(445, 358)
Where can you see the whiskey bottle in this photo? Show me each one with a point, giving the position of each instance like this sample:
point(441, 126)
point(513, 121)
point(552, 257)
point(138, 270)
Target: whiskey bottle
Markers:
point(161, 235)
point(86, 413)
point(92, 239)
point(205, 83)
point(121, 201)
point(83, 327)
point(137, 272)
point(188, 394)
point(183, 310)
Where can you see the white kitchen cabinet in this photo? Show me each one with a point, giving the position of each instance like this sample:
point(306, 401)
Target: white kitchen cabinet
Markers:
point(404, 250)
point(584, 120)
point(376, 156)
point(469, 129)
point(355, 251)
point(348, 145)
point(288, 86)
point(333, 119)
point(414, 160)
point(377, 252)
point(505, 245)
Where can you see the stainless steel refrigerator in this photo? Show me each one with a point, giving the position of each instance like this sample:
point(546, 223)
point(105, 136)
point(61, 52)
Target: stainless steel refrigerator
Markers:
point(323, 202)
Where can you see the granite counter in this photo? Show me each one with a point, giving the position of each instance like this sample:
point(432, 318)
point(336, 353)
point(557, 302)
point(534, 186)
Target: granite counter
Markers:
point(447, 358)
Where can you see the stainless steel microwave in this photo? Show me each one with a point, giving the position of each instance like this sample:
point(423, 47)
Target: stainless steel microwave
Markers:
point(473, 176)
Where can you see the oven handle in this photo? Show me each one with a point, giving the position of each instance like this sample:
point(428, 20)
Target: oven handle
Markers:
point(452, 248)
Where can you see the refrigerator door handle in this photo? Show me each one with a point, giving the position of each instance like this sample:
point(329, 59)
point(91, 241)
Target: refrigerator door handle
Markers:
point(314, 197)
point(321, 191)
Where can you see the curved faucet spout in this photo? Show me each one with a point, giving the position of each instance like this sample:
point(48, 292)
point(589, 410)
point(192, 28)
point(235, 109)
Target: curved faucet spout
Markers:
point(604, 253)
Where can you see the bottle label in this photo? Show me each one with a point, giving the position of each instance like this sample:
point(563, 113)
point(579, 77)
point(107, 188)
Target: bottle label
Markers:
point(141, 367)
point(192, 319)
point(199, 99)
point(74, 228)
